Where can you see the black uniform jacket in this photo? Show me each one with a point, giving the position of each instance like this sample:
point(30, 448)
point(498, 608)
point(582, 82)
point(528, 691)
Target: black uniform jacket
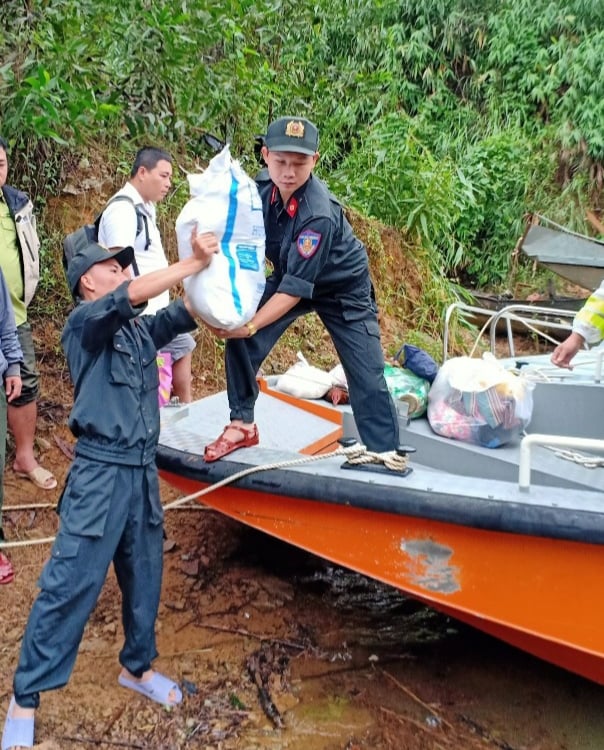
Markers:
point(310, 243)
point(111, 355)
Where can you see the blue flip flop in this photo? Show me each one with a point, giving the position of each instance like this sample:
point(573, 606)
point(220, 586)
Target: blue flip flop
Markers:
point(17, 732)
point(157, 687)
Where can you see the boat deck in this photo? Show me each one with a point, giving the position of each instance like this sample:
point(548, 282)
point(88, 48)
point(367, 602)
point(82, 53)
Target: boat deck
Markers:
point(450, 480)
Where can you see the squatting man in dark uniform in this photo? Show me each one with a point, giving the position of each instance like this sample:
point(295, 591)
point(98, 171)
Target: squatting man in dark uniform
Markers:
point(316, 264)
point(110, 509)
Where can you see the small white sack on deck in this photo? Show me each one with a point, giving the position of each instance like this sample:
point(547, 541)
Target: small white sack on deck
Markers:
point(225, 201)
point(303, 380)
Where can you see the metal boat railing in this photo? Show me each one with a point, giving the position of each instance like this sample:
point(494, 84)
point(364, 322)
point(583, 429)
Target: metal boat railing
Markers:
point(560, 442)
point(533, 318)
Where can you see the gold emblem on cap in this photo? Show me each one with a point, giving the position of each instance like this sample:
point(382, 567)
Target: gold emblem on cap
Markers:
point(294, 129)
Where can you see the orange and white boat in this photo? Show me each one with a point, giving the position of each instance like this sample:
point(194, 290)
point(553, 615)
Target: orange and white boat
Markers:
point(509, 540)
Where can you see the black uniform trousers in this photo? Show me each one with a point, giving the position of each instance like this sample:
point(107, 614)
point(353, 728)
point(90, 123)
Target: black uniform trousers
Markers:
point(351, 320)
point(109, 512)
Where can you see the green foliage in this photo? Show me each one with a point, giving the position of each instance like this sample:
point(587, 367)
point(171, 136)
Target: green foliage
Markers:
point(499, 169)
point(581, 109)
point(450, 118)
point(404, 185)
point(46, 76)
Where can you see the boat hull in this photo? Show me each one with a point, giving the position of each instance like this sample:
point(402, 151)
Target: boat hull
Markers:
point(458, 532)
point(576, 258)
point(588, 277)
point(540, 594)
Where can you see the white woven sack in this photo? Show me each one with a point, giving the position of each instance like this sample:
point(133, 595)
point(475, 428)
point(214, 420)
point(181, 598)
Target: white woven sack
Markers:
point(225, 201)
point(303, 380)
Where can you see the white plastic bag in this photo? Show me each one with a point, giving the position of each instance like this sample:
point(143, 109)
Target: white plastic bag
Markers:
point(304, 381)
point(478, 401)
point(225, 201)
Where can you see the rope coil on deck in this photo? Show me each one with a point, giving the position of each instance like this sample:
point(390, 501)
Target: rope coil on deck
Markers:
point(354, 454)
point(391, 460)
point(587, 461)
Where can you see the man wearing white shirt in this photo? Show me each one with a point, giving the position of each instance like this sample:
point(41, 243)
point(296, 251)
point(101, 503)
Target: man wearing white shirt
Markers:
point(130, 220)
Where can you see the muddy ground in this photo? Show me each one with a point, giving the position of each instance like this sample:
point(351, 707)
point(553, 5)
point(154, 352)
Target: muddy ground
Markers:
point(277, 649)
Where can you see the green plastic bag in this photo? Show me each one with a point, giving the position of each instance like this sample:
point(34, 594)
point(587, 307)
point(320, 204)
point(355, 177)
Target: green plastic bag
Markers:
point(406, 386)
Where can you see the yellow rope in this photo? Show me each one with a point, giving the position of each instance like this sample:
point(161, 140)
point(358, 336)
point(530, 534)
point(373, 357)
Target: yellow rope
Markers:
point(391, 460)
point(7, 508)
point(355, 454)
point(27, 542)
point(585, 460)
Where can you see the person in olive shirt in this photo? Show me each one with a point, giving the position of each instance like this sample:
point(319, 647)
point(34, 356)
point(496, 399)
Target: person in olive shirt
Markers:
point(318, 264)
point(110, 509)
point(20, 263)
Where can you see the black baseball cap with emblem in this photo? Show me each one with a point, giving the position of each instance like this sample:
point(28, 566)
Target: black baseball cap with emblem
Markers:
point(89, 256)
point(292, 134)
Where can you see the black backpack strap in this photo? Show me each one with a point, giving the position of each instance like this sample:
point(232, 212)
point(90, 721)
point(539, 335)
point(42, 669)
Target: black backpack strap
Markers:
point(142, 222)
point(135, 265)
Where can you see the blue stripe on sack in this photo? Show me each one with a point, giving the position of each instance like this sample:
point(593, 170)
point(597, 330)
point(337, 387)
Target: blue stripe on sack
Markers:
point(226, 239)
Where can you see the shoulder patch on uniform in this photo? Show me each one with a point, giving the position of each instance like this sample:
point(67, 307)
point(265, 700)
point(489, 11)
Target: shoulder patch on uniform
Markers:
point(308, 243)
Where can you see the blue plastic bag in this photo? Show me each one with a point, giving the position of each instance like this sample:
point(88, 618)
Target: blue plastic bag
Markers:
point(418, 361)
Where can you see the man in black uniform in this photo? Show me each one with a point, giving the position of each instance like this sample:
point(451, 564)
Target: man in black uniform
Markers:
point(317, 264)
point(110, 509)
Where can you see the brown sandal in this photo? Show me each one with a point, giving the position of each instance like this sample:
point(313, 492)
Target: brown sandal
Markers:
point(222, 446)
